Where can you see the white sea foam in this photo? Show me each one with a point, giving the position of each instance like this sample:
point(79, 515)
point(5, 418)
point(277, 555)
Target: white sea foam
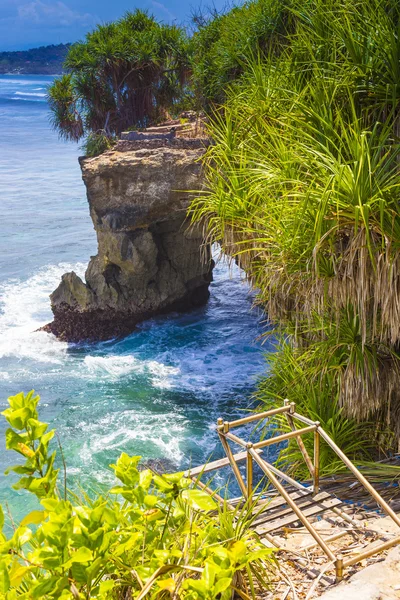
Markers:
point(34, 94)
point(24, 307)
point(117, 366)
point(131, 429)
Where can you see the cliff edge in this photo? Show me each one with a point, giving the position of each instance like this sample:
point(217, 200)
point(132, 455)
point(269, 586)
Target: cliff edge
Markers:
point(148, 261)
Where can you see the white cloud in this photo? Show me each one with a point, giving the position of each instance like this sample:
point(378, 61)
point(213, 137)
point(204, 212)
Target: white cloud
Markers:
point(163, 8)
point(54, 14)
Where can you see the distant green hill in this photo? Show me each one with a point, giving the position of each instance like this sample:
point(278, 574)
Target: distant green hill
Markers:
point(46, 60)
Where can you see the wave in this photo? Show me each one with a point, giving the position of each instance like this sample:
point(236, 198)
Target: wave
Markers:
point(145, 432)
point(33, 94)
point(24, 308)
point(116, 366)
point(34, 102)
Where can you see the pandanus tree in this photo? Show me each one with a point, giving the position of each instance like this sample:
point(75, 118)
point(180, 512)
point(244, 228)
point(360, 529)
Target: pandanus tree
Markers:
point(304, 190)
point(126, 73)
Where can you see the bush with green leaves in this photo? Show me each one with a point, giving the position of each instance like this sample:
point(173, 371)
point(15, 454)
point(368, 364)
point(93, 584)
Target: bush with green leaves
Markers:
point(304, 190)
point(128, 72)
point(153, 536)
point(97, 142)
point(223, 42)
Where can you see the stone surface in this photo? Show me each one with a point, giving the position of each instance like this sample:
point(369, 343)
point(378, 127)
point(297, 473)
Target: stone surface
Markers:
point(149, 261)
point(380, 581)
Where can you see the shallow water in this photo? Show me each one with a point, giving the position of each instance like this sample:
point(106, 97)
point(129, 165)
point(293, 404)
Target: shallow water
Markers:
point(157, 392)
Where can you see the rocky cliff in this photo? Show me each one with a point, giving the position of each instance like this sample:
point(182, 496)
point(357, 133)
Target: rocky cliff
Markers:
point(148, 261)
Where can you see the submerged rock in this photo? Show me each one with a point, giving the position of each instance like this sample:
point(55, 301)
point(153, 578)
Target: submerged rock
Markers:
point(149, 261)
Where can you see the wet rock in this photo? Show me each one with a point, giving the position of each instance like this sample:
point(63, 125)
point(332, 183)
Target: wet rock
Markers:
point(149, 261)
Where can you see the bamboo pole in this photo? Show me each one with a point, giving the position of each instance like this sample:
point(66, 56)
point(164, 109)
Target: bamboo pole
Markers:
point(284, 436)
point(304, 420)
point(292, 505)
point(360, 477)
point(339, 568)
point(259, 416)
point(216, 464)
point(330, 538)
point(316, 462)
point(299, 441)
point(236, 439)
point(234, 466)
point(285, 477)
point(249, 471)
point(371, 552)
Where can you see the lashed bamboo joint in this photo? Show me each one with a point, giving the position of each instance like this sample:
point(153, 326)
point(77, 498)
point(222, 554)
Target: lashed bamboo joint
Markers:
point(298, 502)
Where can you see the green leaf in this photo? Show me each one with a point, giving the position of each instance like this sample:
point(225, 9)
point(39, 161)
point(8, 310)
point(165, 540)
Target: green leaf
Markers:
point(44, 587)
point(199, 500)
point(50, 504)
point(145, 479)
point(1, 518)
point(17, 574)
point(20, 400)
point(22, 536)
point(209, 574)
point(222, 585)
point(173, 477)
point(35, 517)
point(37, 429)
point(82, 555)
point(4, 578)
point(238, 551)
point(106, 586)
point(126, 469)
point(18, 418)
point(13, 440)
point(162, 484)
point(150, 500)
point(20, 470)
point(198, 585)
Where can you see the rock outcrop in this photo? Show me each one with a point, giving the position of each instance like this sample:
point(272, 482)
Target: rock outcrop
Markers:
point(149, 261)
point(379, 581)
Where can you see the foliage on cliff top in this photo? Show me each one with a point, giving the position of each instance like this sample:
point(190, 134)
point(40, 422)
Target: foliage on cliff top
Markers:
point(304, 190)
point(149, 536)
point(127, 72)
point(223, 42)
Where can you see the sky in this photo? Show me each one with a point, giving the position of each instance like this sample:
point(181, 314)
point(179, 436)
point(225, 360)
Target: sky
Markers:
point(29, 23)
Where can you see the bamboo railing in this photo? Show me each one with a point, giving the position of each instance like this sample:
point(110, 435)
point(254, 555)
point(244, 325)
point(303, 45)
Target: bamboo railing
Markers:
point(252, 454)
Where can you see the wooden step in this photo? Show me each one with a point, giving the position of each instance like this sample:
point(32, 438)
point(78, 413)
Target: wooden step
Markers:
point(301, 503)
point(314, 509)
point(277, 502)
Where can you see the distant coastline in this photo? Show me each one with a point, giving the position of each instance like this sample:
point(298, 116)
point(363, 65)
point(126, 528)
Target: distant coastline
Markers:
point(46, 60)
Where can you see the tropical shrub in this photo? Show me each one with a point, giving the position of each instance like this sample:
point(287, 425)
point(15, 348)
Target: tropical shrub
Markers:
point(296, 374)
point(223, 41)
point(97, 142)
point(150, 535)
point(125, 73)
point(303, 190)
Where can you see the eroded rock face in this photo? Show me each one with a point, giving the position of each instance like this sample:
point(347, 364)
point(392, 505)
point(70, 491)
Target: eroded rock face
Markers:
point(148, 261)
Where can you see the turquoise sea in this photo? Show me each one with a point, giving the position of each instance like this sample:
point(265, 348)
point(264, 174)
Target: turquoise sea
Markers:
point(158, 392)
